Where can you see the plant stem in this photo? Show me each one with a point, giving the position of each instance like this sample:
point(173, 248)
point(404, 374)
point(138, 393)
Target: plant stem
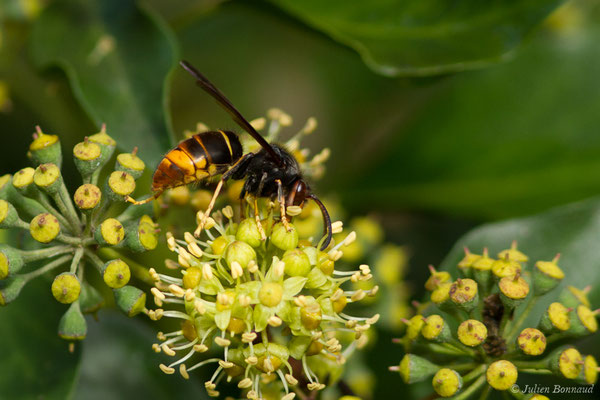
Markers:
point(474, 373)
point(75, 241)
point(538, 364)
point(71, 214)
point(44, 202)
point(510, 337)
point(76, 259)
point(49, 252)
point(51, 265)
point(475, 386)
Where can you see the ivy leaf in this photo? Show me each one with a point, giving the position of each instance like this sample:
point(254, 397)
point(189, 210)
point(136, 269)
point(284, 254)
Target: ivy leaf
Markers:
point(424, 37)
point(116, 58)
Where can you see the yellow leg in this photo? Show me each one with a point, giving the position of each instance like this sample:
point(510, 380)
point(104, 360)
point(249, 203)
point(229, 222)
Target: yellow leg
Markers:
point(258, 223)
point(137, 203)
point(209, 209)
point(282, 206)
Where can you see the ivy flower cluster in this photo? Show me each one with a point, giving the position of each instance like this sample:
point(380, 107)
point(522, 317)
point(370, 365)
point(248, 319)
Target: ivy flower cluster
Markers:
point(74, 231)
point(476, 333)
point(263, 296)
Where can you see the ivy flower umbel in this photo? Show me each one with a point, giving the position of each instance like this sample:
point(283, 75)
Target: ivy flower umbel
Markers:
point(74, 229)
point(275, 305)
point(471, 336)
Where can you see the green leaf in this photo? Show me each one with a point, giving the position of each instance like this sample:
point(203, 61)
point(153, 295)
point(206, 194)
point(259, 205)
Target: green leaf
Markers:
point(572, 230)
point(293, 286)
point(511, 140)
point(116, 57)
point(36, 363)
point(118, 363)
point(424, 37)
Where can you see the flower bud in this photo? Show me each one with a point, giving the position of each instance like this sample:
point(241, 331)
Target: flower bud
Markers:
point(72, 325)
point(339, 304)
point(436, 279)
point(513, 254)
point(531, 342)
point(463, 293)
point(504, 267)
point(472, 333)
point(447, 382)
point(501, 375)
point(10, 288)
point(296, 263)
point(325, 264)
point(589, 373)
point(47, 177)
point(482, 270)
point(513, 290)
point(441, 296)
point(566, 362)
point(11, 261)
point(23, 181)
point(66, 288)
point(316, 279)
point(583, 321)
point(270, 294)
point(44, 228)
point(466, 264)
point(119, 185)
point(241, 252)
point(45, 148)
point(413, 368)
point(87, 197)
point(248, 232)
point(436, 329)
point(555, 319)
point(130, 300)
point(572, 297)
point(8, 215)
point(90, 300)
point(414, 326)
point(192, 277)
point(10, 194)
point(116, 273)
point(310, 316)
point(130, 163)
point(106, 143)
point(219, 245)
point(141, 235)
point(283, 239)
point(87, 156)
point(110, 232)
point(546, 276)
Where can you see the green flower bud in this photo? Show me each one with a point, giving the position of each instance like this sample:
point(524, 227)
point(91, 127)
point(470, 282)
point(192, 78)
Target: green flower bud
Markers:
point(192, 277)
point(472, 333)
point(513, 290)
point(441, 296)
point(501, 375)
point(130, 163)
point(436, 279)
point(90, 300)
point(572, 297)
point(555, 319)
point(11, 261)
point(546, 276)
point(116, 273)
point(414, 326)
point(413, 368)
point(436, 329)
point(325, 264)
point(589, 372)
point(44, 228)
point(87, 197)
point(316, 279)
point(339, 304)
point(10, 288)
point(219, 245)
point(583, 321)
point(566, 362)
point(504, 267)
point(47, 177)
point(466, 264)
point(531, 342)
point(87, 156)
point(283, 239)
point(141, 236)
point(110, 232)
point(23, 181)
point(66, 288)
point(241, 252)
point(119, 185)
point(482, 270)
point(45, 148)
point(130, 300)
point(106, 143)
point(463, 293)
point(8, 215)
point(447, 382)
point(296, 263)
point(513, 254)
point(10, 194)
point(311, 316)
point(72, 325)
point(270, 294)
point(248, 232)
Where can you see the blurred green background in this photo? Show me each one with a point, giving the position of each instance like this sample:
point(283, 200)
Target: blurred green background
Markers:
point(440, 115)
